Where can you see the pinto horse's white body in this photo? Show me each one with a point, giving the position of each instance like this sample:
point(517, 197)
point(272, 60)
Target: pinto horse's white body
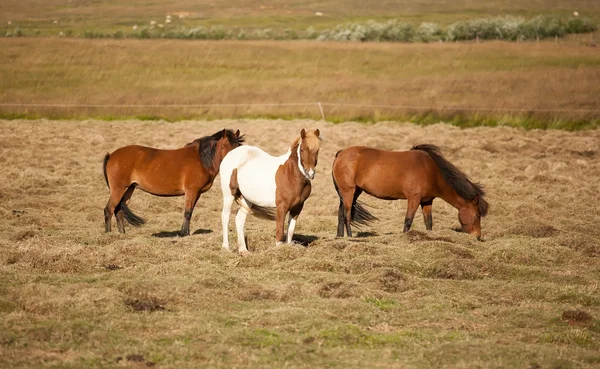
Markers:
point(257, 182)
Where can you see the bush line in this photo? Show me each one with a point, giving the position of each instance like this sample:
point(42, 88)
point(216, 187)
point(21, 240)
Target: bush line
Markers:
point(505, 27)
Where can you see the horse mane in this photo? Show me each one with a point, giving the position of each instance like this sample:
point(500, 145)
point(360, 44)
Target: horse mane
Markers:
point(458, 180)
point(296, 142)
point(207, 145)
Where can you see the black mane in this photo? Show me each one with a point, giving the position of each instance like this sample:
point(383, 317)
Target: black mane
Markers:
point(458, 180)
point(207, 145)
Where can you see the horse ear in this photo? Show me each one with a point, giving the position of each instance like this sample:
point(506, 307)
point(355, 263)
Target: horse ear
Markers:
point(303, 134)
point(317, 132)
point(237, 133)
point(224, 133)
point(476, 200)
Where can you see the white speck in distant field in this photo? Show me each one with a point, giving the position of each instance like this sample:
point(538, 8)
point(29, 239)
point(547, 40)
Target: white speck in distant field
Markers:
point(152, 23)
point(167, 20)
point(319, 14)
point(160, 25)
point(181, 16)
point(168, 16)
point(54, 21)
point(134, 27)
point(9, 22)
point(61, 33)
point(576, 14)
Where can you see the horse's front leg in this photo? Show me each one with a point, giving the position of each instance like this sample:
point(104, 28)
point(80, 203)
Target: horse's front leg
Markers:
point(282, 210)
point(411, 209)
point(426, 207)
point(294, 213)
point(191, 197)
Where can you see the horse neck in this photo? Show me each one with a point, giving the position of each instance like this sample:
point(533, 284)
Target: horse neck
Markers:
point(452, 197)
point(216, 165)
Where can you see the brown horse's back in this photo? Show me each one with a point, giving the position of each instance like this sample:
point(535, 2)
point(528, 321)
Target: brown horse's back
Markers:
point(153, 170)
point(386, 174)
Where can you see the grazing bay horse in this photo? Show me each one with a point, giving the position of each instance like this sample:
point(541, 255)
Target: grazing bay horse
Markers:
point(419, 175)
point(268, 186)
point(188, 171)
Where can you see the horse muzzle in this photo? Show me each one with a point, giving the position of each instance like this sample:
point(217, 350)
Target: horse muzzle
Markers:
point(309, 174)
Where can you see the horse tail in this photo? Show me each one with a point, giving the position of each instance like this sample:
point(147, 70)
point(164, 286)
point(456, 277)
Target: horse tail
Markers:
point(106, 157)
point(130, 217)
point(358, 213)
point(455, 178)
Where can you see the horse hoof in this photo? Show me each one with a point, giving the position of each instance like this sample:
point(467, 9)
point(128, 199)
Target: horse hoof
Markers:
point(226, 248)
point(244, 252)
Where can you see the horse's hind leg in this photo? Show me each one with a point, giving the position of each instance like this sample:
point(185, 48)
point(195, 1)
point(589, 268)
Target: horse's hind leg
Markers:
point(119, 214)
point(411, 209)
point(349, 199)
point(228, 200)
point(116, 194)
point(341, 220)
point(240, 222)
point(427, 217)
point(191, 197)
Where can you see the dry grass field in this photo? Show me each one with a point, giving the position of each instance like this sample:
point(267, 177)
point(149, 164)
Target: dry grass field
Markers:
point(529, 77)
point(72, 296)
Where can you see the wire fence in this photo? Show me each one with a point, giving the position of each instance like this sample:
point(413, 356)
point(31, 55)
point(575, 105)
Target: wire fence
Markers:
point(319, 105)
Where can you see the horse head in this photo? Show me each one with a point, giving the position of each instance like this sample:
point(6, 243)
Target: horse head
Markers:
point(470, 215)
point(228, 141)
point(308, 152)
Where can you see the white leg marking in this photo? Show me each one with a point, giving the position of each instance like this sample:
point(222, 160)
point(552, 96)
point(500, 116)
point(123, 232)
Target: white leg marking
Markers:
point(240, 222)
point(291, 227)
point(225, 214)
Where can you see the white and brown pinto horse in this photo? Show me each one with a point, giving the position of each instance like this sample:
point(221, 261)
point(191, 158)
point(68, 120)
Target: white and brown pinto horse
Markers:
point(268, 186)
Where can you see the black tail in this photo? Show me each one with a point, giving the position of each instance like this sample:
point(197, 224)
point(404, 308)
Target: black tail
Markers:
point(130, 217)
point(359, 213)
point(106, 157)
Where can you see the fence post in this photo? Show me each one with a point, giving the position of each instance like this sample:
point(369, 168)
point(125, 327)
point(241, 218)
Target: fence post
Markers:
point(321, 110)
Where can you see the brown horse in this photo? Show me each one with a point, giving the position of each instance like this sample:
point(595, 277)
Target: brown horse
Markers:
point(188, 171)
point(419, 175)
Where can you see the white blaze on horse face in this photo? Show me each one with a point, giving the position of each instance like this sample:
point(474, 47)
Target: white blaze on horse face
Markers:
point(309, 174)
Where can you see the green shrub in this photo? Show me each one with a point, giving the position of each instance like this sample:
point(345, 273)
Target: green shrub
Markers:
point(429, 32)
point(542, 26)
point(580, 25)
point(370, 31)
point(17, 32)
point(93, 34)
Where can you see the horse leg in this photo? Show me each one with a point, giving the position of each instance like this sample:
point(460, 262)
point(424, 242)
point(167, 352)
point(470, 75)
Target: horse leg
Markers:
point(426, 207)
point(411, 209)
point(294, 213)
point(191, 197)
point(341, 220)
point(228, 200)
point(119, 214)
point(348, 200)
point(116, 194)
point(280, 214)
point(240, 221)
